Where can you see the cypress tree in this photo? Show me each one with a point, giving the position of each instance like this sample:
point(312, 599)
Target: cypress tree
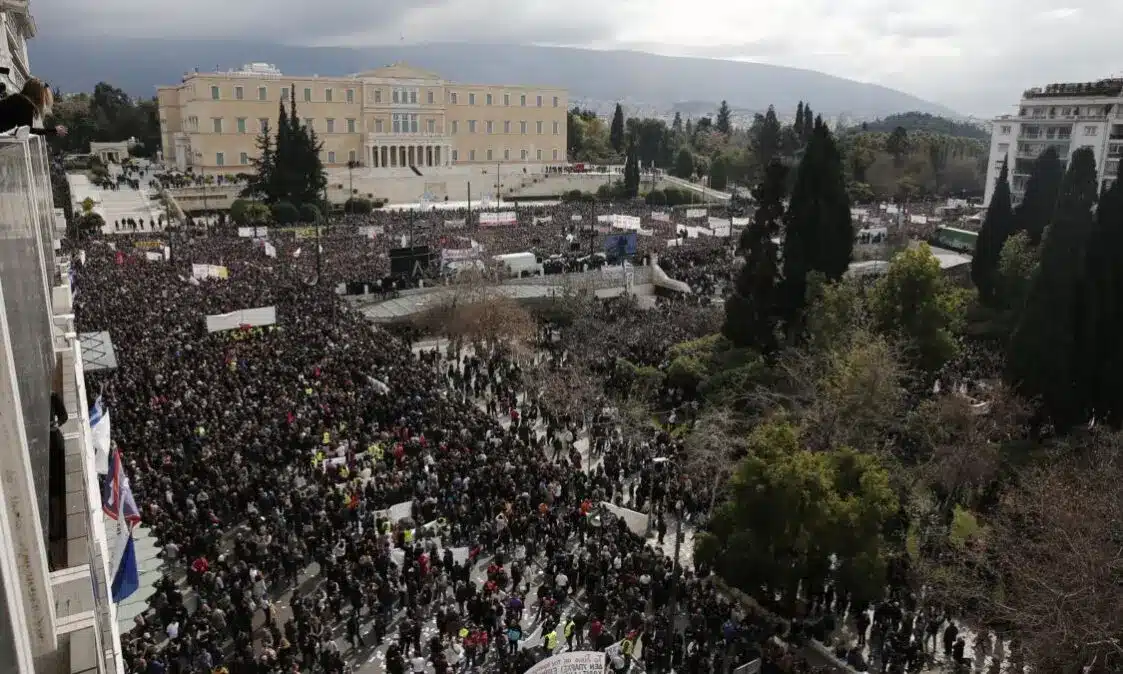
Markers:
point(724, 121)
point(1044, 362)
point(819, 235)
point(767, 136)
point(997, 227)
point(1100, 312)
point(280, 181)
point(265, 166)
point(751, 313)
point(306, 170)
point(797, 126)
point(631, 172)
point(1036, 210)
point(616, 131)
point(808, 123)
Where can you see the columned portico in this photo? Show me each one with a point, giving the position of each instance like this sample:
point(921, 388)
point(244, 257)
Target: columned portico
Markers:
point(386, 151)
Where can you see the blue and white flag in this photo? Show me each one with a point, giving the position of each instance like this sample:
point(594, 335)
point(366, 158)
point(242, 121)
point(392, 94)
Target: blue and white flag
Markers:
point(117, 496)
point(117, 501)
point(126, 573)
point(99, 429)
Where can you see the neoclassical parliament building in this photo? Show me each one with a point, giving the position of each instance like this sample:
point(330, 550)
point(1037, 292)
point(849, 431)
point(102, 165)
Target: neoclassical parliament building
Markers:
point(397, 117)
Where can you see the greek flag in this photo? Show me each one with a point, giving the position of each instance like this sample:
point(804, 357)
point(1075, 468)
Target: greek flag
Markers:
point(117, 496)
point(99, 429)
point(118, 502)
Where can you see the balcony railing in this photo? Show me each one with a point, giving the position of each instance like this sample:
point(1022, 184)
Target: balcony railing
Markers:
point(389, 137)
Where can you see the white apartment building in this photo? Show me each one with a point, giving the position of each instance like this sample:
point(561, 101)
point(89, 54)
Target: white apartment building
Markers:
point(1065, 116)
point(56, 610)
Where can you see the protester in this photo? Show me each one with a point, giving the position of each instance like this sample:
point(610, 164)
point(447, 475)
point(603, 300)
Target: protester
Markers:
point(267, 460)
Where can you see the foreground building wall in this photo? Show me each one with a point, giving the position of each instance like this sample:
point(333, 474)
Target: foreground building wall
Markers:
point(389, 118)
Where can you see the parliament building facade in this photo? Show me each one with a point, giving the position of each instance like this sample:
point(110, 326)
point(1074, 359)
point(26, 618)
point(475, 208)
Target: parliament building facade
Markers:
point(397, 117)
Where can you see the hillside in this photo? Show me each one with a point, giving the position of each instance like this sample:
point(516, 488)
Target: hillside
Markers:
point(138, 65)
point(922, 121)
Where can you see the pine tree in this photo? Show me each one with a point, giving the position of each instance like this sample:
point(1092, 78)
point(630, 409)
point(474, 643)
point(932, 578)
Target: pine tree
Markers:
point(676, 124)
point(724, 122)
point(997, 228)
point(616, 131)
point(631, 172)
point(808, 124)
point(819, 235)
point(767, 137)
point(797, 126)
point(1036, 210)
point(1099, 321)
point(897, 145)
point(260, 185)
point(281, 180)
point(751, 313)
point(1044, 360)
point(307, 179)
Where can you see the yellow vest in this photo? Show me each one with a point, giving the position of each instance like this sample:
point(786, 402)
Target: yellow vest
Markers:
point(551, 640)
point(626, 647)
point(569, 629)
point(409, 536)
point(327, 438)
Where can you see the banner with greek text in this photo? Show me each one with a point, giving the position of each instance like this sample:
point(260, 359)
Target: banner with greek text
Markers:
point(695, 213)
point(574, 662)
point(496, 219)
point(258, 317)
point(204, 271)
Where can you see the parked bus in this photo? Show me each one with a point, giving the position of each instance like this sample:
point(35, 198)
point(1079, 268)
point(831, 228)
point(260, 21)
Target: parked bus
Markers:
point(959, 240)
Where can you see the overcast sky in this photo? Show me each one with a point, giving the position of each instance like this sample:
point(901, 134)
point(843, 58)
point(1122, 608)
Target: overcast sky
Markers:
point(974, 56)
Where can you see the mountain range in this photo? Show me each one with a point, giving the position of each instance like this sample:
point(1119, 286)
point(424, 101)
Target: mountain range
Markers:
point(638, 79)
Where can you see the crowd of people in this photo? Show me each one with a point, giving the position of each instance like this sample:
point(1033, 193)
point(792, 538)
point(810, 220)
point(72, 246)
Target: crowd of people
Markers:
point(331, 498)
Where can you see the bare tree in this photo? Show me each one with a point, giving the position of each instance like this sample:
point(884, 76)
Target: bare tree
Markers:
point(1046, 568)
point(474, 309)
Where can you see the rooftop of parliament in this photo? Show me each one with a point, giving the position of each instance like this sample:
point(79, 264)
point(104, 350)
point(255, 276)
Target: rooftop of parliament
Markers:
point(56, 613)
point(395, 117)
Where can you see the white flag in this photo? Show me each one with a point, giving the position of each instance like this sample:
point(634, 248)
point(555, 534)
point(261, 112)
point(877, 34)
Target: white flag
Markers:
point(99, 430)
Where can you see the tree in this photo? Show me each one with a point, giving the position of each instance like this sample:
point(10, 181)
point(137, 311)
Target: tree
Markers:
point(915, 302)
point(1017, 265)
point(997, 228)
point(897, 145)
point(797, 126)
point(288, 167)
point(724, 122)
point(766, 136)
point(819, 236)
point(676, 124)
point(938, 150)
point(808, 124)
point(1036, 210)
point(751, 313)
point(1044, 360)
point(631, 172)
point(262, 182)
point(616, 133)
point(792, 509)
point(1045, 566)
point(108, 114)
point(684, 164)
point(719, 172)
point(1100, 315)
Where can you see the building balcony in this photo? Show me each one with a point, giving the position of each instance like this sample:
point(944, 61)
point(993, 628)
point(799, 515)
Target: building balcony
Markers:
point(422, 137)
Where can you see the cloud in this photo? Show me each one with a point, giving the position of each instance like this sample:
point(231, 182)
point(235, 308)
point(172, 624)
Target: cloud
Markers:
point(973, 55)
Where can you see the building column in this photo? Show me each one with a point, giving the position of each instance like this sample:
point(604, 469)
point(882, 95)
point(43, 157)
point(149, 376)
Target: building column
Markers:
point(437, 155)
point(402, 156)
point(374, 156)
point(448, 155)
